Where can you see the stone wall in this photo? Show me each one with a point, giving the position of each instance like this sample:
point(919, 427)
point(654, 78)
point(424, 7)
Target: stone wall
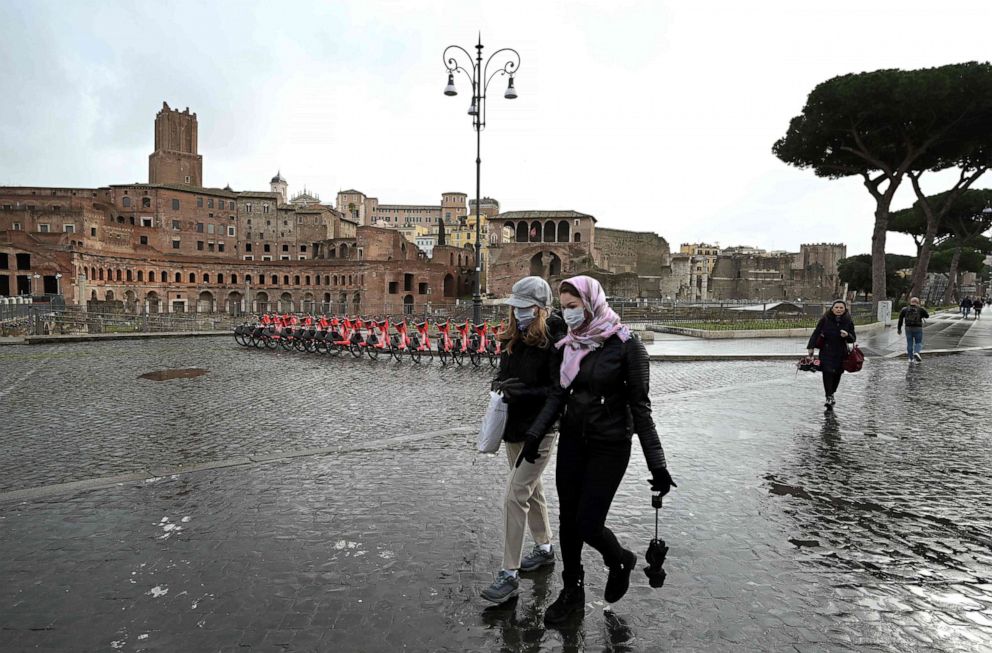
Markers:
point(643, 253)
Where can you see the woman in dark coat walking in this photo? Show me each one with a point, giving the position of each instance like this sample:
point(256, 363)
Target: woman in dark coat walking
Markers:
point(836, 328)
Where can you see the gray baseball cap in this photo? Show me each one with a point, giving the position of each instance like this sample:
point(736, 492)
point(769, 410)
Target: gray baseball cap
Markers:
point(530, 291)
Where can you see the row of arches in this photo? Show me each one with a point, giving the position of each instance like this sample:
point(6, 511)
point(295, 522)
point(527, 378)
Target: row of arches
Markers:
point(537, 231)
point(220, 279)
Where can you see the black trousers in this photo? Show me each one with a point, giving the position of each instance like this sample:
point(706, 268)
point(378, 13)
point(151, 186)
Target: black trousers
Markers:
point(588, 474)
point(831, 379)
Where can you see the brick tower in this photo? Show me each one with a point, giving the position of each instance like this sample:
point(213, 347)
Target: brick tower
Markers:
point(175, 160)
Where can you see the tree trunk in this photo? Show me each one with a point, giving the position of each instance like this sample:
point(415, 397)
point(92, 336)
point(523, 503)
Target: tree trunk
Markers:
point(923, 257)
point(952, 277)
point(878, 251)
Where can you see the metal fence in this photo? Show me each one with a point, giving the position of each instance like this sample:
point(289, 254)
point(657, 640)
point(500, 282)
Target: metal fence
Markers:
point(54, 318)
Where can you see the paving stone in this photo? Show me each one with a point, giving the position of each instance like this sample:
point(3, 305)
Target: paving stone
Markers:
point(383, 537)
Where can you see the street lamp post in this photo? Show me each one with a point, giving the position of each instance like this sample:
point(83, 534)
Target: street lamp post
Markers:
point(478, 74)
point(58, 283)
point(34, 283)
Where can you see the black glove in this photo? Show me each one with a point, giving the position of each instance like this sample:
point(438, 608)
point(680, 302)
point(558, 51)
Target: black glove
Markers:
point(512, 389)
point(531, 451)
point(661, 481)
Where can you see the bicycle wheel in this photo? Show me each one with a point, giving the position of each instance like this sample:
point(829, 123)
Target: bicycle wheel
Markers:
point(271, 342)
point(493, 359)
point(299, 344)
point(372, 351)
point(355, 350)
point(287, 343)
point(442, 354)
point(394, 351)
point(475, 357)
point(333, 349)
point(415, 354)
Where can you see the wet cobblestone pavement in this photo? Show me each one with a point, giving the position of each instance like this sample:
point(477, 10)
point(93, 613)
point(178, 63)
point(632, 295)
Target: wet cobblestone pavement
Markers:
point(869, 529)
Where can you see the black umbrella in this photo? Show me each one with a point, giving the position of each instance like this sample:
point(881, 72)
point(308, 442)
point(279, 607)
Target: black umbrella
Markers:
point(657, 550)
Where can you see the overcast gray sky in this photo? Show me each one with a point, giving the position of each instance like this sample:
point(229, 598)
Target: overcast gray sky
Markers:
point(652, 116)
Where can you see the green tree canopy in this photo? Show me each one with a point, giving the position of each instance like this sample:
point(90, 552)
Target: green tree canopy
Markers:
point(856, 272)
point(885, 124)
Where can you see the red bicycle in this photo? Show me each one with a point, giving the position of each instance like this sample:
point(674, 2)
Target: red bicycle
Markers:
point(445, 344)
point(401, 341)
point(495, 345)
point(462, 342)
point(420, 342)
point(378, 339)
point(479, 345)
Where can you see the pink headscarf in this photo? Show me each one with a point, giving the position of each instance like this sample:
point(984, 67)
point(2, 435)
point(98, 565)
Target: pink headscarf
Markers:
point(593, 334)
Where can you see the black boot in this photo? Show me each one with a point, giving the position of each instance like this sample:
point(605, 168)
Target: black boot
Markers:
point(619, 578)
point(571, 600)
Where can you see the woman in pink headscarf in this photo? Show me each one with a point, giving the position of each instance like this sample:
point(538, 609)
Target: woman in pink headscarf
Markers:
point(602, 400)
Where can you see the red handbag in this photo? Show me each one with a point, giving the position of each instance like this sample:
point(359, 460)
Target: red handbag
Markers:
point(854, 360)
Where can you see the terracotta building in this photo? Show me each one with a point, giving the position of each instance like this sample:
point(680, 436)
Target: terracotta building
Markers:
point(172, 245)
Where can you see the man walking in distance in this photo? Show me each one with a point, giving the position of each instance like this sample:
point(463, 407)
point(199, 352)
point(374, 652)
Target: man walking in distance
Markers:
point(912, 317)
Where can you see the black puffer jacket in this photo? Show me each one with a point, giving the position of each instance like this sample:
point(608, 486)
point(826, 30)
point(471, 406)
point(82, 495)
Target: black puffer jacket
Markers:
point(834, 349)
point(538, 368)
point(608, 400)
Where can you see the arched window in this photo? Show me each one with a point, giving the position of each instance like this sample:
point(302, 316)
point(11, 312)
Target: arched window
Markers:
point(141, 275)
point(275, 280)
point(118, 275)
point(151, 276)
point(192, 277)
point(128, 275)
point(179, 278)
point(127, 202)
point(578, 237)
point(247, 279)
point(206, 277)
point(335, 279)
point(307, 280)
point(234, 279)
point(164, 277)
point(146, 202)
point(296, 280)
point(220, 279)
point(549, 232)
point(101, 274)
point(285, 279)
point(327, 280)
point(563, 229)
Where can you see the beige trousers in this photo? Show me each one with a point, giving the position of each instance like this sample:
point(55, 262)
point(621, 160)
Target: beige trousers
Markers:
point(525, 504)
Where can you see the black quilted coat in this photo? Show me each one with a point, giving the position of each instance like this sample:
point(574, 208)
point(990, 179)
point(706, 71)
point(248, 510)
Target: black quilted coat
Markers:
point(607, 400)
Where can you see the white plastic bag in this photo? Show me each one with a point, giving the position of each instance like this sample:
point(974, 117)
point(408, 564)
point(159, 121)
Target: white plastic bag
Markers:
point(493, 424)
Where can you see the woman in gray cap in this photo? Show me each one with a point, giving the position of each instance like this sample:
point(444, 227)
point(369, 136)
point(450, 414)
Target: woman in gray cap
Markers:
point(528, 367)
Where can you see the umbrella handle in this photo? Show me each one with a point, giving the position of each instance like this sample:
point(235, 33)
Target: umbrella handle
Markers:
point(656, 504)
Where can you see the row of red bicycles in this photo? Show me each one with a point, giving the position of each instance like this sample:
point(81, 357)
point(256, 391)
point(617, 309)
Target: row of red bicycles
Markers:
point(451, 343)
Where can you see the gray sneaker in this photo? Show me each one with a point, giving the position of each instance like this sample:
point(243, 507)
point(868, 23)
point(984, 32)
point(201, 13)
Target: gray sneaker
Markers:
point(537, 558)
point(505, 587)
point(917, 357)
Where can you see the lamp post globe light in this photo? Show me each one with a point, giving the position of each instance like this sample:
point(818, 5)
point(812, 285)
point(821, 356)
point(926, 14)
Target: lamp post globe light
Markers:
point(458, 60)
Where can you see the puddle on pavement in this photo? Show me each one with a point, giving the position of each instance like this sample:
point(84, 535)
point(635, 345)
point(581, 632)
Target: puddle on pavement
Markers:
point(165, 375)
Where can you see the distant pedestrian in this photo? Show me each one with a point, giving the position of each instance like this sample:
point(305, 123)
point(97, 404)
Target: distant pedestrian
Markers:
point(912, 317)
point(528, 367)
point(966, 305)
point(977, 307)
point(836, 328)
point(603, 398)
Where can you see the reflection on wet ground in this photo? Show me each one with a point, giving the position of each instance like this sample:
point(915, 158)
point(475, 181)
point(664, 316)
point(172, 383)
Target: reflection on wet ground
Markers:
point(866, 528)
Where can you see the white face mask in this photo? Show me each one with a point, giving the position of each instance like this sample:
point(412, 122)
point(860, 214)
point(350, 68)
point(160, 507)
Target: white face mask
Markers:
point(574, 317)
point(524, 316)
